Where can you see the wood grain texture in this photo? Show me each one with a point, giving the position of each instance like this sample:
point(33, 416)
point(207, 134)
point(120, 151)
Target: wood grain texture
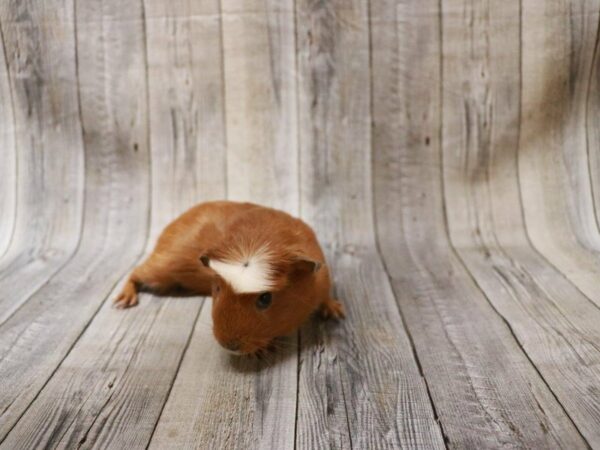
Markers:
point(353, 398)
point(485, 214)
point(116, 378)
point(8, 169)
point(559, 203)
point(445, 151)
point(260, 98)
point(220, 401)
point(360, 386)
point(464, 347)
point(41, 75)
point(557, 198)
point(187, 110)
point(591, 111)
point(38, 336)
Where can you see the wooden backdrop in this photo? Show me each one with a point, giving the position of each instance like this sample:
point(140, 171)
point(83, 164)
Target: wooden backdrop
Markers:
point(446, 151)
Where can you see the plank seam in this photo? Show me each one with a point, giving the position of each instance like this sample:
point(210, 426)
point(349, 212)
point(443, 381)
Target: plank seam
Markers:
point(298, 110)
point(82, 440)
point(412, 345)
point(148, 123)
point(92, 317)
point(526, 228)
point(12, 106)
point(518, 343)
point(377, 244)
point(457, 253)
point(84, 195)
point(518, 173)
point(99, 413)
point(147, 238)
point(299, 363)
point(45, 283)
point(299, 184)
point(224, 109)
point(587, 128)
point(348, 426)
point(176, 372)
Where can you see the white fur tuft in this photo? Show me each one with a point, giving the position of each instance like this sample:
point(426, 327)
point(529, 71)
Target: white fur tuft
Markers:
point(249, 274)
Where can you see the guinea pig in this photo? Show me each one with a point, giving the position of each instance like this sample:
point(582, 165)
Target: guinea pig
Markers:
point(264, 269)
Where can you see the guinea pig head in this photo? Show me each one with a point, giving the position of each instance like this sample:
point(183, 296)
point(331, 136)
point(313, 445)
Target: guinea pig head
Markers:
point(260, 296)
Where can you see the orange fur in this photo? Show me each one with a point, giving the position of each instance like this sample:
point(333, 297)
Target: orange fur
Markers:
point(227, 230)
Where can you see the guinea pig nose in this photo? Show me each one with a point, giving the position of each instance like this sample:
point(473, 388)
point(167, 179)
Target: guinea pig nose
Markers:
point(234, 346)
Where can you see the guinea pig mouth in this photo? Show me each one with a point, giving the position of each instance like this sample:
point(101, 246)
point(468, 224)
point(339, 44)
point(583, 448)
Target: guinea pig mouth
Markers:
point(233, 347)
point(234, 352)
point(245, 348)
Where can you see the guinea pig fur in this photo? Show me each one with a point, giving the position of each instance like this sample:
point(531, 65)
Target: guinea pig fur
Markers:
point(264, 269)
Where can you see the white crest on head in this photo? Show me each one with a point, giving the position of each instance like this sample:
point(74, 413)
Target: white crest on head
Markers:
point(247, 273)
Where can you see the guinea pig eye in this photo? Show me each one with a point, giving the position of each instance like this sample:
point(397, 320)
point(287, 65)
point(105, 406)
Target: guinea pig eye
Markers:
point(264, 300)
point(217, 289)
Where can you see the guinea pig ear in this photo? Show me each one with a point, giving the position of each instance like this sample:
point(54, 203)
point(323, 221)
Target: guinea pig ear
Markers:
point(306, 265)
point(205, 260)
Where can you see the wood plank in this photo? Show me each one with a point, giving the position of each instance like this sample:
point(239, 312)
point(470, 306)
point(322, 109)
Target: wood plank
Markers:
point(486, 392)
point(218, 400)
point(556, 190)
point(223, 401)
point(555, 324)
point(261, 107)
point(556, 99)
point(36, 339)
point(110, 389)
point(592, 110)
point(41, 80)
point(502, 346)
point(156, 333)
point(8, 169)
point(360, 386)
point(186, 106)
point(552, 320)
point(334, 120)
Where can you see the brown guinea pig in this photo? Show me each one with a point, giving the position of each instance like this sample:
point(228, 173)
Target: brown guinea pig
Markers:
point(264, 268)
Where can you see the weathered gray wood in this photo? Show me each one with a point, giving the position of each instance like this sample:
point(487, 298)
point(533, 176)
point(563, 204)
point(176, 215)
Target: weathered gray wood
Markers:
point(465, 349)
point(116, 378)
point(559, 64)
point(484, 192)
point(591, 111)
point(220, 401)
point(186, 92)
point(186, 159)
point(8, 155)
point(360, 386)
point(45, 121)
point(557, 197)
point(260, 94)
point(35, 340)
point(541, 307)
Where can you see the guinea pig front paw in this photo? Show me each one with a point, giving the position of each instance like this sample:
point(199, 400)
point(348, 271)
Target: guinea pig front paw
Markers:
point(126, 299)
point(332, 309)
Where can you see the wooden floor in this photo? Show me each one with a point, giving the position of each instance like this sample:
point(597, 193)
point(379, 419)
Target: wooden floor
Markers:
point(447, 153)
